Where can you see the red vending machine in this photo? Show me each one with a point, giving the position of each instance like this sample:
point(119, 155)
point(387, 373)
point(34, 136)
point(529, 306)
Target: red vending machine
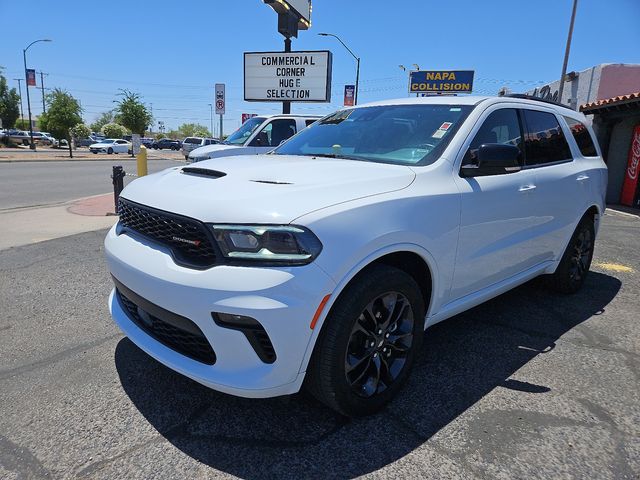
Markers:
point(630, 191)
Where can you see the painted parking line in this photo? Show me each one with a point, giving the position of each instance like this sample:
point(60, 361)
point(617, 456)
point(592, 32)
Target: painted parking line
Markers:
point(614, 267)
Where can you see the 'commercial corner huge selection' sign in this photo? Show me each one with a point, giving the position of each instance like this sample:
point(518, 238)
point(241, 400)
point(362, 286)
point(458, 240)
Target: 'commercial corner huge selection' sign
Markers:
point(441, 81)
point(287, 76)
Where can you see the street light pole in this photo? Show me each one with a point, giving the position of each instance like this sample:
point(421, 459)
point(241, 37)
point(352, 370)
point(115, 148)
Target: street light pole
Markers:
point(20, 93)
point(211, 117)
point(355, 99)
point(566, 51)
point(32, 145)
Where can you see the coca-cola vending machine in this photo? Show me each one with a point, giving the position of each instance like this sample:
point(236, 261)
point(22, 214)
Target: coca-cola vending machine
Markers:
point(631, 188)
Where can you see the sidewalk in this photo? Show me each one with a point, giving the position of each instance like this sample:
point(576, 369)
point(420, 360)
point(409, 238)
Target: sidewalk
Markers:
point(45, 154)
point(23, 226)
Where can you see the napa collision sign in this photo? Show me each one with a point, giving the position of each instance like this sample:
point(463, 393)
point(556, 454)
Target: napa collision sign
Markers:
point(287, 76)
point(441, 81)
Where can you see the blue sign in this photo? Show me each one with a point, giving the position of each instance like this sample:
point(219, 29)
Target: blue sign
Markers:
point(441, 81)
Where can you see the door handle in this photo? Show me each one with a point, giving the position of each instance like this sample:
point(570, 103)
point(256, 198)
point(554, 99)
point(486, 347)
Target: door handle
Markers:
point(527, 188)
point(582, 177)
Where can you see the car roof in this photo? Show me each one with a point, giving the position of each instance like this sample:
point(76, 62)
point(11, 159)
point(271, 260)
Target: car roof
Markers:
point(471, 100)
point(289, 115)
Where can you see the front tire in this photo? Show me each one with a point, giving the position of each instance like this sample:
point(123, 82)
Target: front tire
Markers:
point(110, 150)
point(368, 343)
point(576, 260)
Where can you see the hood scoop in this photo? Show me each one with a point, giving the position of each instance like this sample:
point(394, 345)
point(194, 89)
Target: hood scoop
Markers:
point(202, 172)
point(272, 182)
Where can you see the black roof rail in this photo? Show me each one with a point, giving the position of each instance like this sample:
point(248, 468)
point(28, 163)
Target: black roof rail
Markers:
point(537, 99)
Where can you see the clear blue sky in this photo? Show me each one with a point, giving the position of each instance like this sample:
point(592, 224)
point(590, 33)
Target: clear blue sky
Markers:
point(173, 52)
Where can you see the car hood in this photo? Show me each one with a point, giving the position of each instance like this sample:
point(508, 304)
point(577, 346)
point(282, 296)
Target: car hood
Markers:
point(207, 149)
point(100, 145)
point(264, 188)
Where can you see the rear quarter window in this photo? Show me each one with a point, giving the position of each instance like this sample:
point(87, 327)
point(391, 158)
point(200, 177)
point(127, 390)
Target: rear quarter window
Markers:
point(582, 137)
point(544, 139)
point(192, 140)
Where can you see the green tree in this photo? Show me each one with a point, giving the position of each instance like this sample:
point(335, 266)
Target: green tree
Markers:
point(63, 113)
point(132, 113)
point(9, 104)
point(103, 119)
point(114, 130)
point(22, 124)
point(159, 136)
point(80, 131)
point(193, 130)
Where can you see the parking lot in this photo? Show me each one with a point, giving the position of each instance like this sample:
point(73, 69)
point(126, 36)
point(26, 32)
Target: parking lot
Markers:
point(530, 384)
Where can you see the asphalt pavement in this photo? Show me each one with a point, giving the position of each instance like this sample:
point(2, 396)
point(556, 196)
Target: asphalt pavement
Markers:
point(529, 385)
point(33, 183)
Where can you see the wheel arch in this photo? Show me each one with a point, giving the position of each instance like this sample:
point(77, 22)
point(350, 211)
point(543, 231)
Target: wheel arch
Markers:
point(412, 259)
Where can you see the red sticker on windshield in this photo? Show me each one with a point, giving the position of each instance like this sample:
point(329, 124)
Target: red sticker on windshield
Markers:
point(445, 126)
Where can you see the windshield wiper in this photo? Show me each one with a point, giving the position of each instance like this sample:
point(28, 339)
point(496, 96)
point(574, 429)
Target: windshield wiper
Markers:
point(331, 155)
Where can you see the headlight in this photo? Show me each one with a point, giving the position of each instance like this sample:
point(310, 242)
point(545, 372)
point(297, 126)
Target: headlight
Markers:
point(277, 244)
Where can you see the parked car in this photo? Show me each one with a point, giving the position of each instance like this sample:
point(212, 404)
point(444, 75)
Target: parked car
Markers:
point(147, 142)
point(18, 136)
point(166, 143)
point(256, 135)
point(321, 263)
point(110, 145)
point(191, 143)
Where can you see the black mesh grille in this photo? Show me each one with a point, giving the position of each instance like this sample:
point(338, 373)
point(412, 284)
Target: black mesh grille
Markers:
point(187, 343)
point(188, 239)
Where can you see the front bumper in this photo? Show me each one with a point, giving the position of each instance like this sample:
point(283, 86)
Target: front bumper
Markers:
point(282, 300)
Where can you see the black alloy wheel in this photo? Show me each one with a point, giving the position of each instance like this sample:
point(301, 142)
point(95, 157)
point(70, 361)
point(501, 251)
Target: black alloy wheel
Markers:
point(576, 260)
point(380, 339)
point(368, 342)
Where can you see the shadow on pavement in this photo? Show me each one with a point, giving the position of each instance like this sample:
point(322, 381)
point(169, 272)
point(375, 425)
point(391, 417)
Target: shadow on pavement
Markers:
point(462, 360)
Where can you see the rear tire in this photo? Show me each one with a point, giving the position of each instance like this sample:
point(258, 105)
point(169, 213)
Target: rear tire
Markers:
point(576, 260)
point(368, 342)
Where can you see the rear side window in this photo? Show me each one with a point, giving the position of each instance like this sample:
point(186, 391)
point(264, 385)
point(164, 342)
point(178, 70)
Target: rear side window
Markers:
point(544, 140)
point(193, 140)
point(309, 122)
point(501, 126)
point(582, 137)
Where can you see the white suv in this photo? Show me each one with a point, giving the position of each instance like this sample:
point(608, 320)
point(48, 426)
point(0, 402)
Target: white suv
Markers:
point(191, 143)
point(256, 135)
point(321, 263)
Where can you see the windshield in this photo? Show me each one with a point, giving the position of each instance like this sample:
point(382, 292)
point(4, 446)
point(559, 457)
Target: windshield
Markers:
point(108, 140)
point(399, 134)
point(240, 136)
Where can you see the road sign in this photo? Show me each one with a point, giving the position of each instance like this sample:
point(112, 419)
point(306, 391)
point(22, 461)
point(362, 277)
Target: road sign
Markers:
point(287, 76)
point(135, 143)
point(220, 101)
point(448, 81)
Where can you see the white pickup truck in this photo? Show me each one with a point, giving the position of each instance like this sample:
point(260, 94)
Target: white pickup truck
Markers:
point(257, 135)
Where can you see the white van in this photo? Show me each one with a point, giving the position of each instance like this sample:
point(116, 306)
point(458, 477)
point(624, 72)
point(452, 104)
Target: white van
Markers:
point(257, 135)
point(191, 143)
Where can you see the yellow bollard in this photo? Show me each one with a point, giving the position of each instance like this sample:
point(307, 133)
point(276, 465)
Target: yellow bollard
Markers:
point(142, 161)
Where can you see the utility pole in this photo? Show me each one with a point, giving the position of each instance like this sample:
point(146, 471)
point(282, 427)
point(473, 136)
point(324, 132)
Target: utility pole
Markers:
point(566, 51)
point(42, 74)
point(20, 93)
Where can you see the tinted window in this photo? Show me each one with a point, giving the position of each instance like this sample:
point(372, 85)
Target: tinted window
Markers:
point(501, 126)
point(309, 122)
point(193, 140)
point(399, 134)
point(274, 133)
point(582, 137)
point(544, 139)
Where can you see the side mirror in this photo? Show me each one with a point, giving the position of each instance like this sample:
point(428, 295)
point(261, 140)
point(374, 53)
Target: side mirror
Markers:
point(494, 159)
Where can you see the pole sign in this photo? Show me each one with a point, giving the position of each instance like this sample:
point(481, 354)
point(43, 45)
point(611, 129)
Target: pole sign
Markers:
point(135, 143)
point(220, 101)
point(247, 116)
point(287, 76)
point(349, 95)
point(438, 81)
point(31, 77)
point(633, 170)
